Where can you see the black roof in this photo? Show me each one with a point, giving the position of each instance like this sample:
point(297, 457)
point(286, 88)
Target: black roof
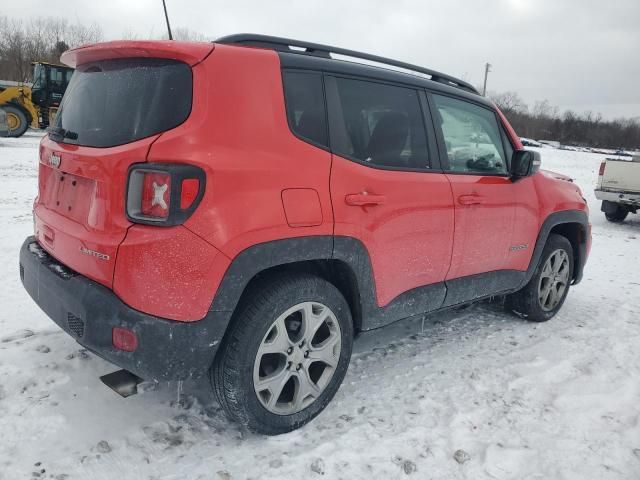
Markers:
point(316, 56)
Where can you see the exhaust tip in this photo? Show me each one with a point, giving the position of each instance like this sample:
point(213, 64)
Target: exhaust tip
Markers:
point(123, 382)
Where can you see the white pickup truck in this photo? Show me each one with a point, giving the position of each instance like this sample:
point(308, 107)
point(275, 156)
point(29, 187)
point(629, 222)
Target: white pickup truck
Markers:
point(619, 187)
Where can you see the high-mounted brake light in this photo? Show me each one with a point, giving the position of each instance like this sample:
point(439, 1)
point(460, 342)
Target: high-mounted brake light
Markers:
point(163, 194)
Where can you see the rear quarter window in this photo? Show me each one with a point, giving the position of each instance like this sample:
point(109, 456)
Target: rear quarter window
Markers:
point(114, 102)
point(304, 98)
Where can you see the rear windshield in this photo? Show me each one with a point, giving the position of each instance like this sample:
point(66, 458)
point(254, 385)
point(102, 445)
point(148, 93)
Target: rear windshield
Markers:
point(113, 102)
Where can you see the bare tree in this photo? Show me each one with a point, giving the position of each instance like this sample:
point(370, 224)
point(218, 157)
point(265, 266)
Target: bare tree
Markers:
point(129, 34)
point(182, 33)
point(13, 50)
point(509, 102)
point(39, 39)
point(543, 109)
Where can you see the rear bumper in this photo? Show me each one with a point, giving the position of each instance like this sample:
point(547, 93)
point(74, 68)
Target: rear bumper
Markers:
point(629, 198)
point(88, 311)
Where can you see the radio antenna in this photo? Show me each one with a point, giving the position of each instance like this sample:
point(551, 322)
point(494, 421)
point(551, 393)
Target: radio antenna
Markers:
point(166, 17)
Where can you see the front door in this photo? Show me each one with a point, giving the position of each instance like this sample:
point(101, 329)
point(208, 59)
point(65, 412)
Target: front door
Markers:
point(473, 155)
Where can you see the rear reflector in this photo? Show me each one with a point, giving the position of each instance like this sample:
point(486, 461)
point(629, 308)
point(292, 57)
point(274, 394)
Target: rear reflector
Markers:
point(602, 167)
point(124, 339)
point(190, 187)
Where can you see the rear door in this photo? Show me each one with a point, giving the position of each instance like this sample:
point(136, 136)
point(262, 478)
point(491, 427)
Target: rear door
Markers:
point(386, 188)
point(112, 112)
point(474, 158)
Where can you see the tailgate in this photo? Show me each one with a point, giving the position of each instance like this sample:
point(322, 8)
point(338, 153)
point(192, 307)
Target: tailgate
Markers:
point(112, 112)
point(621, 175)
point(80, 213)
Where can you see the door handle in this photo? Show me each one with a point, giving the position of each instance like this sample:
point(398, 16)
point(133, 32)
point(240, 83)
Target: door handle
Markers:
point(364, 199)
point(473, 199)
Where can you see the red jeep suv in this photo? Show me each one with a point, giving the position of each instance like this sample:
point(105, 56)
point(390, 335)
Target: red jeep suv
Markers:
point(241, 209)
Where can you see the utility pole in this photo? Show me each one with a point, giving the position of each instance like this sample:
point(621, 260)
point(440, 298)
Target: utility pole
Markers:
point(487, 69)
point(166, 17)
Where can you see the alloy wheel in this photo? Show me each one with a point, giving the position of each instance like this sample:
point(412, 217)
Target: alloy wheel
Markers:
point(554, 280)
point(297, 358)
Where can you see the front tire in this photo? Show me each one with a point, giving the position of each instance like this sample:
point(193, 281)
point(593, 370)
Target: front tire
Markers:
point(547, 290)
point(16, 120)
point(285, 355)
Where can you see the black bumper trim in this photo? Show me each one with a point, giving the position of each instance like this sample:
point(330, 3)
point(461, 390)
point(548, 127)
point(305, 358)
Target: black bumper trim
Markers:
point(167, 349)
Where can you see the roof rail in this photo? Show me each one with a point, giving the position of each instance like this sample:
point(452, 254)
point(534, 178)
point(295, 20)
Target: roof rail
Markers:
point(325, 51)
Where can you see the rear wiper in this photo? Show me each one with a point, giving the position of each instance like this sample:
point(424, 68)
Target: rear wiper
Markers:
point(59, 133)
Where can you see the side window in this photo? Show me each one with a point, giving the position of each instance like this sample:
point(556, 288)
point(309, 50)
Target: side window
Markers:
point(472, 137)
point(304, 100)
point(57, 77)
point(376, 123)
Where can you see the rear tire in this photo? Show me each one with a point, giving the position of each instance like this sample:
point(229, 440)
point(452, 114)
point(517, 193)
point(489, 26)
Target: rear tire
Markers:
point(285, 354)
point(547, 290)
point(16, 120)
point(619, 215)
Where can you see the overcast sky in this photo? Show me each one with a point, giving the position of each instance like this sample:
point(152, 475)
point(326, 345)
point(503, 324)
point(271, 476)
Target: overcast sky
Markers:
point(578, 54)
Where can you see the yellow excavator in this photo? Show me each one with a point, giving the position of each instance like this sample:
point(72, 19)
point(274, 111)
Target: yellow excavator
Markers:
point(34, 104)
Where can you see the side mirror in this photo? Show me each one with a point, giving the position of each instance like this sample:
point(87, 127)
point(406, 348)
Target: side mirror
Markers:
point(525, 163)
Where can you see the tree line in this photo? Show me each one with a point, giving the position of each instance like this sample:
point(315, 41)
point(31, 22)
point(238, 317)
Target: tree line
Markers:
point(43, 39)
point(544, 122)
point(40, 39)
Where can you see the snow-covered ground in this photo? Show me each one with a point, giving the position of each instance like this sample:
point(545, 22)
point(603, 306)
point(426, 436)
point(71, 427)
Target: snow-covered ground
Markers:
point(559, 400)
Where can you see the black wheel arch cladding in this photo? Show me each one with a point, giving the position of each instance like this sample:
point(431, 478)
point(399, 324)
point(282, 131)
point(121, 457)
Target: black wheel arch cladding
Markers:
point(346, 262)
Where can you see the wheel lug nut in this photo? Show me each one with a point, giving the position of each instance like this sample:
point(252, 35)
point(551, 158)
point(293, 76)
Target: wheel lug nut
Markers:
point(299, 366)
point(290, 350)
point(289, 365)
point(302, 344)
point(306, 354)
